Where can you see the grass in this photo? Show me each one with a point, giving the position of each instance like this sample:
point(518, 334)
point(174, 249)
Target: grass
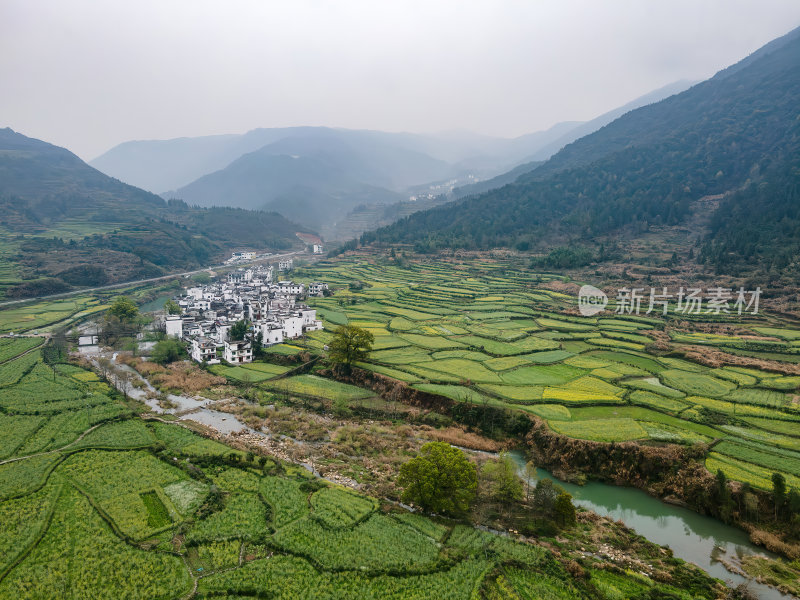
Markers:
point(39, 315)
point(775, 461)
point(80, 547)
point(243, 517)
point(697, 384)
point(467, 370)
point(601, 430)
point(241, 374)
point(389, 372)
point(336, 508)
point(746, 472)
point(542, 375)
point(116, 480)
point(179, 440)
point(378, 543)
point(656, 401)
point(456, 392)
point(528, 393)
point(11, 347)
point(430, 342)
point(551, 411)
point(318, 387)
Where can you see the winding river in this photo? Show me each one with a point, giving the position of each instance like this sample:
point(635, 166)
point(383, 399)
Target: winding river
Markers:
point(694, 538)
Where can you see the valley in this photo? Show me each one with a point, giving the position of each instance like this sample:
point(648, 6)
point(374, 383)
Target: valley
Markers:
point(490, 301)
point(480, 353)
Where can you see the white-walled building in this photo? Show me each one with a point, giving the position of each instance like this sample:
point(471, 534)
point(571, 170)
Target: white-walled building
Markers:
point(223, 332)
point(317, 288)
point(271, 333)
point(238, 352)
point(273, 309)
point(290, 287)
point(205, 350)
point(292, 326)
point(174, 326)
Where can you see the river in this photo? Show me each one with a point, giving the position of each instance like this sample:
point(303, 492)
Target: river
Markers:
point(155, 304)
point(694, 538)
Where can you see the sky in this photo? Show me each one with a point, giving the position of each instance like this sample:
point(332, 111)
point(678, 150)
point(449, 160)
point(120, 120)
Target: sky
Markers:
point(88, 75)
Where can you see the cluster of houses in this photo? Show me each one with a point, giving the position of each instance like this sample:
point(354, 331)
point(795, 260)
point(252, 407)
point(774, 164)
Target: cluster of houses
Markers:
point(209, 311)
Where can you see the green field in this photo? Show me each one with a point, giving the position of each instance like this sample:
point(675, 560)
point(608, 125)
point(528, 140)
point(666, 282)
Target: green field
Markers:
point(488, 338)
point(119, 506)
point(111, 508)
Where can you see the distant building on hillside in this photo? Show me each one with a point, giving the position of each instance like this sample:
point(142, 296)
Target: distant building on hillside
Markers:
point(174, 326)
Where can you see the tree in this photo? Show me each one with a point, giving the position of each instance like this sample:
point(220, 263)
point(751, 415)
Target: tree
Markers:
point(778, 492)
point(724, 497)
point(440, 480)
point(123, 309)
point(501, 476)
point(565, 510)
point(167, 351)
point(238, 330)
point(530, 473)
point(124, 382)
point(751, 505)
point(258, 345)
point(55, 351)
point(793, 502)
point(172, 307)
point(544, 496)
point(350, 344)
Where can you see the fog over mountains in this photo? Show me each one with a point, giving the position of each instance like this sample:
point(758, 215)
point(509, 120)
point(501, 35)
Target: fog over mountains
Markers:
point(318, 175)
point(728, 147)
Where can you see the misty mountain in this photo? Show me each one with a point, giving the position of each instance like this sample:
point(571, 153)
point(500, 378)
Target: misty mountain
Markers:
point(72, 225)
point(577, 131)
point(319, 175)
point(731, 138)
point(166, 165)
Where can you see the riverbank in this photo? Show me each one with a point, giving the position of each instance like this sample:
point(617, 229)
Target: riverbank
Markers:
point(295, 435)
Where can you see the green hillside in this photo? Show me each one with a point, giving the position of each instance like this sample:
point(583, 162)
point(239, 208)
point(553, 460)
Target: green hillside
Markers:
point(65, 224)
point(736, 132)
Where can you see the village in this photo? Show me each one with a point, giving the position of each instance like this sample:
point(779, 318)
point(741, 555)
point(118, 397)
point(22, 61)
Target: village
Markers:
point(273, 309)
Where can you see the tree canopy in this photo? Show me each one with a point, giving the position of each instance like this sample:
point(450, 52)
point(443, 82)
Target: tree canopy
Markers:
point(238, 330)
point(440, 480)
point(350, 344)
point(172, 308)
point(124, 309)
point(501, 476)
point(167, 351)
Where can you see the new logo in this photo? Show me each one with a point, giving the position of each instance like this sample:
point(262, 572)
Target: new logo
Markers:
point(591, 300)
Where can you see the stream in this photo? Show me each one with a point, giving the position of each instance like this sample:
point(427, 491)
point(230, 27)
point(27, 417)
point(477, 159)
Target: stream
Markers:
point(693, 537)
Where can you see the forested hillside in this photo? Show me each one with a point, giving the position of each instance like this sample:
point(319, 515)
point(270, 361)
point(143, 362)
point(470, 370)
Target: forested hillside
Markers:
point(64, 224)
point(735, 134)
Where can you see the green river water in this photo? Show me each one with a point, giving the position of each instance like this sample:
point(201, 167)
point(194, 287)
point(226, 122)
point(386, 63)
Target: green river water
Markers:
point(694, 538)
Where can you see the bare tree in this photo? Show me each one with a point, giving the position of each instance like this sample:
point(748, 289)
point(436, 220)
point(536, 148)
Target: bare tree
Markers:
point(124, 383)
point(104, 364)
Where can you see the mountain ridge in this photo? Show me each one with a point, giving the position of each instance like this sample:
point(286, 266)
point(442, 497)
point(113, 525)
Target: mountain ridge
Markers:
point(64, 224)
point(646, 168)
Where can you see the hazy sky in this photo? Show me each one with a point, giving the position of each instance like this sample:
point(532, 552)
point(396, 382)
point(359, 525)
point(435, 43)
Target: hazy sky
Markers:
point(88, 74)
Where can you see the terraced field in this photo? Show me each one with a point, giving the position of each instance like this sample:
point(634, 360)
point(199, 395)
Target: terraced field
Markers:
point(98, 503)
point(484, 334)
